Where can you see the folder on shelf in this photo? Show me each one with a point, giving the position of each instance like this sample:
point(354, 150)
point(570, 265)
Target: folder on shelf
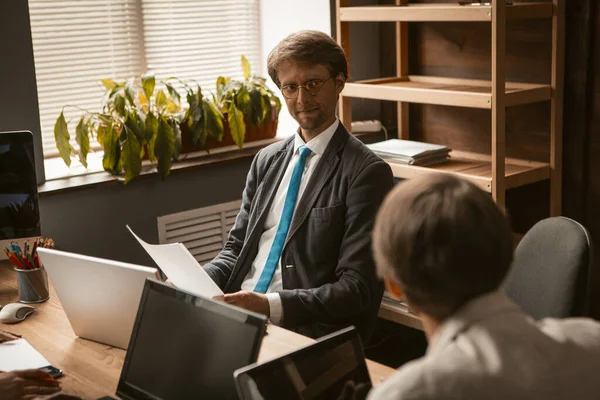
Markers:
point(410, 152)
point(397, 304)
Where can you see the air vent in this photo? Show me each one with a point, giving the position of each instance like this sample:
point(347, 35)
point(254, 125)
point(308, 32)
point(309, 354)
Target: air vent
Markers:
point(203, 231)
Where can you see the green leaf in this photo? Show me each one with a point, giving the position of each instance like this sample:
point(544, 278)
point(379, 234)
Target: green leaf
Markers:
point(194, 113)
point(148, 83)
point(172, 107)
point(83, 140)
point(197, 133)
point(133, 123)
point(235, 118)
point(257, 106)
point(177, 136)
point(213, 121)
point(242, 101)
point(221, 83)
point(130, 93)
point(150, 134)
point(111, 150)
point(132, 157)
point(246, 68)
point(174, 94)
point(109, 84)
point(164, 147)
point(61, 137)
point(161, 100)
point(266, 107)
point(120, 105)
point(101, 131)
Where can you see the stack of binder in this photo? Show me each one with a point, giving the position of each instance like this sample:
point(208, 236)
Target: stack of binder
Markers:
point(410, 152)
point(392, 302)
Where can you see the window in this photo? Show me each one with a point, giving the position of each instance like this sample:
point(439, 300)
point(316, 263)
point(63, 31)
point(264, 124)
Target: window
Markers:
point(78, 42)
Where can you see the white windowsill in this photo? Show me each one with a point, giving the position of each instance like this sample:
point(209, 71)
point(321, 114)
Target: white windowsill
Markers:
point(59, 177)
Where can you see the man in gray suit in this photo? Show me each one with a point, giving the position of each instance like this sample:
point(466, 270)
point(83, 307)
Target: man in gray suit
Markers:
point(300, 249)
point(446, 246)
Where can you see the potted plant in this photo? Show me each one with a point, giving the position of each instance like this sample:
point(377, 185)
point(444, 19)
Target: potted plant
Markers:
point(138, 120)
point(247, 105)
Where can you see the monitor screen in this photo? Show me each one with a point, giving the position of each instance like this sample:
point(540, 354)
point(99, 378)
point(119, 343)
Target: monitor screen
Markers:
point(187, 347)
point(19, 208)
point(334, 367)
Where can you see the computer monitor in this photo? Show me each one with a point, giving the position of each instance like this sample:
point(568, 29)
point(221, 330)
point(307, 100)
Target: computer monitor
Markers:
point(185, 346)
point(19, 208)
point(333, 367)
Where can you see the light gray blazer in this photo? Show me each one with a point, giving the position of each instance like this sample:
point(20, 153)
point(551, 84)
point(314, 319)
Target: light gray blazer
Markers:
point(491, 350)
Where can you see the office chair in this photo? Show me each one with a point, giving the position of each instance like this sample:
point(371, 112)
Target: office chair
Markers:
point(551, 271)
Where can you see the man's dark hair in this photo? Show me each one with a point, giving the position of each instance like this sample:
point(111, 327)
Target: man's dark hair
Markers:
point(444, 241)
point(311, 47)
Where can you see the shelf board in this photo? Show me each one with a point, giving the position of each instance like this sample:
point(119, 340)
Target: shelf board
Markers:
point(445, 91)
point(442, 12)
point(394, 312)
point(477, 168)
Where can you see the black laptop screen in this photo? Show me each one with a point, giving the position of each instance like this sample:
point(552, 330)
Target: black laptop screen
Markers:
point(332, 368)
point(187, 347)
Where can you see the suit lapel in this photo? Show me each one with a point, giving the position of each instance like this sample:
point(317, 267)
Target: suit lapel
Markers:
point(268, 188)
point(323, 171)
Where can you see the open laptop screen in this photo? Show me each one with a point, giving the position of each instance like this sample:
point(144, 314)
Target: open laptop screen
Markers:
point(187, 347)
point(334, 367)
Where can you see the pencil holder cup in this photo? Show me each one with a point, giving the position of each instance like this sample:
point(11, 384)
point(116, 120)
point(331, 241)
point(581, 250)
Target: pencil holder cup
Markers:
point(32, 285)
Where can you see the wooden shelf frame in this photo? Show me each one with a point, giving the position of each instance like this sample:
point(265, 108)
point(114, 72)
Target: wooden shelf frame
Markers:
point(390, 310)
point(442, 12)
point(494, 172)
point(445, 91)
point(477, 168)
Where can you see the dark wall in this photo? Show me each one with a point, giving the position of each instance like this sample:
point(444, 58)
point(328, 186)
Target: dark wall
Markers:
point(18, 92)
point(591, 160)
point(92, 220)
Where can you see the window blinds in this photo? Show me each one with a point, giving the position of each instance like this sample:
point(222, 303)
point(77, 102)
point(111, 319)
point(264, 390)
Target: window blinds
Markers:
point(78, 42)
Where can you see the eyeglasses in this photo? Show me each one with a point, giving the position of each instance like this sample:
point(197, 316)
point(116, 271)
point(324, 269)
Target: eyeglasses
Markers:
point(312, 87)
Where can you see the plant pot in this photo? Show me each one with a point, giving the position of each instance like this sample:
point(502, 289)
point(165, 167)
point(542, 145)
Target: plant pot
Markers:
point(266, 130)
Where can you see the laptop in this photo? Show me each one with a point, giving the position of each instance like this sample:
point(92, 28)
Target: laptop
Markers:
point(333, 367)
point(184, 346)
point(100, 297)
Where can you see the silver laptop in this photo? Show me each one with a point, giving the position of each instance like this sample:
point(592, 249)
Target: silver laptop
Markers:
point(100, 297)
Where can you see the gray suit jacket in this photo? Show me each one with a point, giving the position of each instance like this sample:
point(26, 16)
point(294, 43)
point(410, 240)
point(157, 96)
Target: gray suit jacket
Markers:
point(328, 275)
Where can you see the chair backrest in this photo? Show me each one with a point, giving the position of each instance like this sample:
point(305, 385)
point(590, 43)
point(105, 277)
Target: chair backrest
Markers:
point(550, 275)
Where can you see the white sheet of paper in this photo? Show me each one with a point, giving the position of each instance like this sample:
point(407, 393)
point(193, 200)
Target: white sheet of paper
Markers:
point(180, 266)
point(19, 354)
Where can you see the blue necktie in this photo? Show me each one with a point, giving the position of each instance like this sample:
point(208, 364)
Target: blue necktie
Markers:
point(284, 223)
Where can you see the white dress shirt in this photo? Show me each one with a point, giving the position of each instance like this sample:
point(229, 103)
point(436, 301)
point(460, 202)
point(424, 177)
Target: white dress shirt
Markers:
point(490, 349)
point(317, 146)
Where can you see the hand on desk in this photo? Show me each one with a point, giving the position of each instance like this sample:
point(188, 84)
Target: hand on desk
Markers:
point(252, 301)
point(26, 384)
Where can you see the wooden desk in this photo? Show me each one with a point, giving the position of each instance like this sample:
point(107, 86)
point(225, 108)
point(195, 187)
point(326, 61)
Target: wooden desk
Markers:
point(92, 369)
